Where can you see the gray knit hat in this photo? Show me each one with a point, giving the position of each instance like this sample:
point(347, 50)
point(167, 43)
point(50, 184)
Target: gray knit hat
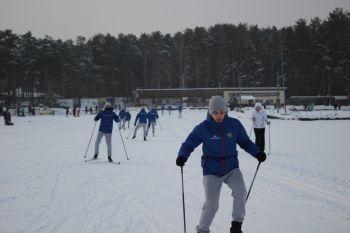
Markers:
point(108, 105)
point(217, 103)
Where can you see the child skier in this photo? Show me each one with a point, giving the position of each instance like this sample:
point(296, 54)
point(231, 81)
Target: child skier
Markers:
point(106, 127)
point(219, 135)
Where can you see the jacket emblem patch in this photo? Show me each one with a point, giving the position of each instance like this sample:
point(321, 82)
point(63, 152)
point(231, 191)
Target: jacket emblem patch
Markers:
point(229, 135)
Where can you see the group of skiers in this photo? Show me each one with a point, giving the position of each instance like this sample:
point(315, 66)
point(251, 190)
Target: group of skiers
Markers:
point(146, 120)
point(219, 135)
point(107, 116)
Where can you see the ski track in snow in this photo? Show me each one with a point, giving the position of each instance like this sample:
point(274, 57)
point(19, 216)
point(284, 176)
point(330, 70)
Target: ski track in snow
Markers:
point(46, 187)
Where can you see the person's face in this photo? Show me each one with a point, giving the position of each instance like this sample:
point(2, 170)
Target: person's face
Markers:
point(258, 108)
point(218, 116)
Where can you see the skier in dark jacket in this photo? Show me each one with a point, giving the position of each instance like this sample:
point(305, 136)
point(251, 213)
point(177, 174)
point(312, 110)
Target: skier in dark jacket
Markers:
point(106, 127)
point(219, 135)
point(142, 118)
point(180, 110)
point(128, 117)
point(7, 117)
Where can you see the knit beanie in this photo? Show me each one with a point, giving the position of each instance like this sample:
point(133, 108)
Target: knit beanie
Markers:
point(108, 105)
point(217, 103)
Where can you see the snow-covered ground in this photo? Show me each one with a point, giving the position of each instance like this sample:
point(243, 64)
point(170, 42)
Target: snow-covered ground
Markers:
point(46, 187)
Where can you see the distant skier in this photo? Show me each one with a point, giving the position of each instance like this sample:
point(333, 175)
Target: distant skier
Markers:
point(219, 135)
point(122, 115)
point(106, 127)
point(141, 118)
point(7, 117)
point(169, 109)
point(180, 110)
point(259, 118)
point(152, 120)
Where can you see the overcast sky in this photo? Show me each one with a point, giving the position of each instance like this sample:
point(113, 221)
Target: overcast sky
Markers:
point(67, 19)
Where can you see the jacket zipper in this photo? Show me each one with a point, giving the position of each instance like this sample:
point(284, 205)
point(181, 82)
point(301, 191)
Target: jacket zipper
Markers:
point(223, 149)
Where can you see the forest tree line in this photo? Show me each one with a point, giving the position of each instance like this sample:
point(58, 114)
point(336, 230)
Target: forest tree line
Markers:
point(309, 58)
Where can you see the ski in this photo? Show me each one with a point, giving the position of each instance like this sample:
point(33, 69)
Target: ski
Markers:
point(89, 160)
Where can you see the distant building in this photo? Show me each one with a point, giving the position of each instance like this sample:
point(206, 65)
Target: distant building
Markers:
point(200, 96)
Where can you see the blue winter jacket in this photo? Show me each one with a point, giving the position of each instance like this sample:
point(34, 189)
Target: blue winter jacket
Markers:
point(122, 114)
point(152, 116)
point(142, 117)
point(107, 116)
point(219, 145)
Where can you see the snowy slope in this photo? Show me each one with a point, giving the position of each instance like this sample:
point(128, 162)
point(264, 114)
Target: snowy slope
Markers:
point(303, 187)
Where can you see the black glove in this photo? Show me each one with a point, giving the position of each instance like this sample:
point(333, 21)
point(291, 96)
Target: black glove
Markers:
point(180, 161)
point(268, 122)
point(134, 124)
point(261, 156)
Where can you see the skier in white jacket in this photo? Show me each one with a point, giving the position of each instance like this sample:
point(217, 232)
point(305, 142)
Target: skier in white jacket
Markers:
point(259, 119)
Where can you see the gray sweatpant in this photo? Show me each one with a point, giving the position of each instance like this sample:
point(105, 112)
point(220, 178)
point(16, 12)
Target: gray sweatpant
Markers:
point(144, 126)
point(108, 137)
point(153, 125)
point(212, 187)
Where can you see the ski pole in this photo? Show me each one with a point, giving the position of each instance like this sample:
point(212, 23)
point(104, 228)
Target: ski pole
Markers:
point(126, 153)
point(183, 198)
point(160, 125)
point(92, 133)
point(269, 140)
point(251, 185)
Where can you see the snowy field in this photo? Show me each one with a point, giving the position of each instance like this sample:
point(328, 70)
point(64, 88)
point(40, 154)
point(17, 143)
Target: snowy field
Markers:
point(46, 187)
point(320, 112)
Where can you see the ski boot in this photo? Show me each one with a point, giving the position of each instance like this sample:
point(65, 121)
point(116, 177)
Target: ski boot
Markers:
point(110, 159)
point(95, 156)
point(236, 227)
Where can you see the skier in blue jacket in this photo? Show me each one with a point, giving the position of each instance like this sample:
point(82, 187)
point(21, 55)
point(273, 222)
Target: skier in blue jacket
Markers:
point(152, 120)
point(106, 127)
point(219, 135)
point(142, 118)
point(122, 116)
